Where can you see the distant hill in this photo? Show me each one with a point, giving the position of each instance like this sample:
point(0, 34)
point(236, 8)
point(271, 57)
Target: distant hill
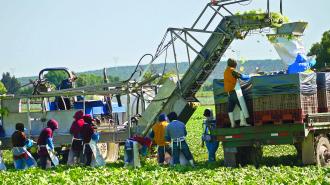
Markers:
point(124, 72)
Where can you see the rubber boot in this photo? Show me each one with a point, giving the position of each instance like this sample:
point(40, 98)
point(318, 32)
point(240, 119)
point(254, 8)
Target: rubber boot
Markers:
point(231, 118)
point(243, 120)
point(192, 163)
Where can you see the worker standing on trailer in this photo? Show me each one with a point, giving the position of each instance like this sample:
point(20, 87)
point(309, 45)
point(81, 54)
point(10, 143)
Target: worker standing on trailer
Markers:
point(212, 144)
point(91, 153)
point(76, 150)
point(46, 146)
point(22, 158)
point(134, 147)
point(176, 132)
point(158, 135)
point(230, 80)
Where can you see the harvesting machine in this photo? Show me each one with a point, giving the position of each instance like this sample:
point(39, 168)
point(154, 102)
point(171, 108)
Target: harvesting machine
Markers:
point(221, 28)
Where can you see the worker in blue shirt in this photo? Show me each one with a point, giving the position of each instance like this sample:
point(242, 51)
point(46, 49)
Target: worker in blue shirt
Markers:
point(176, 133)
point(212, 144)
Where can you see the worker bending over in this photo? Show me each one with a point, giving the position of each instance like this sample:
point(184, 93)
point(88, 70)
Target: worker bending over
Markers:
point(46, 146)
point(22, 158)
point(176, 132)
point(211, 142)
point(230, 80)
point(76, 150)
point(91, 153)
point(158, 136)
point(134, 147)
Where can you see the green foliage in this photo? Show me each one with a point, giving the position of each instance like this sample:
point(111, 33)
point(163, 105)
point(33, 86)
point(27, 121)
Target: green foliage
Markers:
point(88, 79)
point(3, 89)
point(4, 112)
point(160, 80)
point(272, 38)
point(322, 51)
point(277, 18)
point(279, 166)
point(25, 90)
point(10, 82)
point(56, 77)
point(166, 76)
point(92, 79)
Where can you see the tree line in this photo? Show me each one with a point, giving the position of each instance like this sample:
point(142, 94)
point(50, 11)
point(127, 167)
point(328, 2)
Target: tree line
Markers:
point(9, 83)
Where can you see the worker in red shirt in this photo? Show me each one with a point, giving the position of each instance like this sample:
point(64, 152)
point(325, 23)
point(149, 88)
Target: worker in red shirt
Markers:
point(91, 152)
point(230, 80)
point(46, 145)
point(76, 150)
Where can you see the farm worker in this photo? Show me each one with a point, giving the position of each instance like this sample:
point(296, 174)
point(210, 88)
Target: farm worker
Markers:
point(158, 136)
point(230, 80)
point(135, 146)
point(63, 103)
point(2, 163)
point(212, 144)
point(176, 132)
point(22, 158)
point(301, 64)
point(76, 150)
point(91, 152)
point(46, 146)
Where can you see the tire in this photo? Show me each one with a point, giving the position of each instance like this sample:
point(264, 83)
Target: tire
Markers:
point(322, 149)
point(109, 151)
point(249, 155)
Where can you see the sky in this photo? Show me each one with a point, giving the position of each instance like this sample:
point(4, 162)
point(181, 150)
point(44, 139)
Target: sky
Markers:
point(87, 35)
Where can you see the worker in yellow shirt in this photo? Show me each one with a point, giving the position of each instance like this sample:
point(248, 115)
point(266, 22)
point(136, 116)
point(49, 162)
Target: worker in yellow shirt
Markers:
point(158, 135)
point(230, 80)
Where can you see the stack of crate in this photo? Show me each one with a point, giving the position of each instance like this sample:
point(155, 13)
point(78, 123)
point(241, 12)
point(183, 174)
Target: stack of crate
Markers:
point(221, 103)
point(285, 98)
point(323, 91)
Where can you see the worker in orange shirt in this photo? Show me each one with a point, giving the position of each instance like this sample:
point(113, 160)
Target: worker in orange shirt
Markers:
point(158, 135)
point(230, 80)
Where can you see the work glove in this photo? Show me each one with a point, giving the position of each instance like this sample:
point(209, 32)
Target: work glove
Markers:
point(245, 77)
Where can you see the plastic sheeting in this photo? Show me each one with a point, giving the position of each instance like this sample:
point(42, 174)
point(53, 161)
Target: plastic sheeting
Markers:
point(288, 49)
point(301, 83)
point(323, 81)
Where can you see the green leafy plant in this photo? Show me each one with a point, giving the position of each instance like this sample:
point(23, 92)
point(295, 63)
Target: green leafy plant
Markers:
point(278, 166)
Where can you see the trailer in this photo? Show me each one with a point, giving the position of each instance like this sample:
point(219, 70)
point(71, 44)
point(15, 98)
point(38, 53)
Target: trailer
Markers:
point(311, 139)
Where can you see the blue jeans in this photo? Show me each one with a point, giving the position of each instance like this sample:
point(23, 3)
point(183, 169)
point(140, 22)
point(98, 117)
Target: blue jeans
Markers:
point(22, 164)
point(212, 147)
point(183, 148)
point(161, 153)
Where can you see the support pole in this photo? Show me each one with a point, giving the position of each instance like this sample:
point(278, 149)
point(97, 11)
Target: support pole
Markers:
point(129, 110)
point(187, 48)
point(268, 10)
point(176, 61)
point(29, 116)
point(281, 7)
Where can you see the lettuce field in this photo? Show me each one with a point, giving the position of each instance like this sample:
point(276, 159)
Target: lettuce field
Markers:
point(279, 166)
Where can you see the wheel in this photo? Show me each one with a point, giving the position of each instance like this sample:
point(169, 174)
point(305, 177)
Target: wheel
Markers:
point(298, 147)
point(255, 155)
point(109, 151)
point(322, 151)
point(249, 155)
